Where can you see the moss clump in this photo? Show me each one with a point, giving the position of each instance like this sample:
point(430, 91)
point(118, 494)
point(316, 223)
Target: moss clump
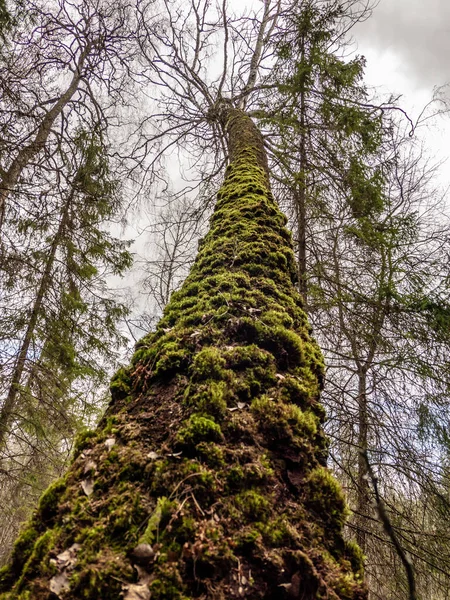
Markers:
point(354, 554)
point(199, 429)
point(241, 358)
point(83, 441)
point(211, 454)
point(97, 578)
point(120, 386)
point(48, 504)
point(208, 364)
point(172, 360)
point(253, 505)
point(35, 560)
point(284, 421)
point(248, 539)
point(209, 399)
point(168, 584)
point(248, 475)
point(278, 533)
point(22, 551)
point(297, 391)
point(325, 497)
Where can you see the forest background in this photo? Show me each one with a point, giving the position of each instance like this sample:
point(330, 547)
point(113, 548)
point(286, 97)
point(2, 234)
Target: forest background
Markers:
point(104, 142)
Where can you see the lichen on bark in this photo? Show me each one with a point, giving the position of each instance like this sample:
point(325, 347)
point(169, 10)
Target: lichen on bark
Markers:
point(207, 476)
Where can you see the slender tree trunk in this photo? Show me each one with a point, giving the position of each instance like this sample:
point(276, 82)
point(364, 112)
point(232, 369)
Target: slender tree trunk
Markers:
point(363, 498)
point(206, 478)
point(300, 193)
point(7, 409)
point(28, 152)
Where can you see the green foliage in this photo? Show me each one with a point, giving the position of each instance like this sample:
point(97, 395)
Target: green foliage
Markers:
point(210, 398)
point(253, 505)
point(322, 118)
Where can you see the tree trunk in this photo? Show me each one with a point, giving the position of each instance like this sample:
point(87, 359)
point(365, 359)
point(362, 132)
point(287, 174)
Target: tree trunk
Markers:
point(206, 477)
point(363, 491)
point(300, 191)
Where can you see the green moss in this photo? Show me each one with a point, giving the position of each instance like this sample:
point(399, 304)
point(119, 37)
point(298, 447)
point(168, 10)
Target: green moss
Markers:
point(211, 454)
point(22, 551)
point(278, 532)
point(48, 504)
point(354, 554)
point(208, 364)
point(278, 318)
point(171, 360)
point(201, 488)
point(326, 498)
point(120, 385)
point(168, 584)
point(209, 399)
point(199, 429)
point(241, 358)
point(40, 548)
point(236, 477)
point(99, 578)
point(200, 477)
point(144, 355)
point(304, 422)
point(83, 440)
point(253, 505)
point(299, 390)
point(92, 537)
point(111, 425)
point(284, 420)
point(184, 529)
point(284, 344)
point(248, 539)
point(126, 514)
point(248, 475)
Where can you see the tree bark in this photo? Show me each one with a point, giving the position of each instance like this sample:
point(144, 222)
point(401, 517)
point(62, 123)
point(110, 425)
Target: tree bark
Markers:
point(206, 477)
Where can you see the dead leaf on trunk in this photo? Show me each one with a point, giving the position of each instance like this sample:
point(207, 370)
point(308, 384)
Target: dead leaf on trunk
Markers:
point(59, 583)
point(143, 554)
point(109, 443)
point(67, 559)
point(65, 562)
point(136, 591)
point(87, 486)
point(89, 466)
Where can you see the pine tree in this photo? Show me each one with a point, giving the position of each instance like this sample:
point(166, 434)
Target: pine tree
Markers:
point(207, 473)
point(326, 136)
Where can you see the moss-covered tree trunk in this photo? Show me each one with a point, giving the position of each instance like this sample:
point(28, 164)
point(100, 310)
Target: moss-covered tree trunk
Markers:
point(206, 478)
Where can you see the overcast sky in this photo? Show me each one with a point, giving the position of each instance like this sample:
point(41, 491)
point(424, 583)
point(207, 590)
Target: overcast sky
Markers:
point(407, 46)
point(417, 32)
